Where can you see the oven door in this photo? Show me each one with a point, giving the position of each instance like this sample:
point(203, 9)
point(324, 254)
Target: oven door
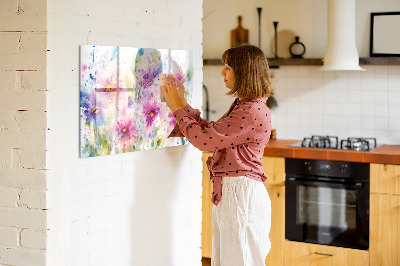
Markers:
point(327, 213)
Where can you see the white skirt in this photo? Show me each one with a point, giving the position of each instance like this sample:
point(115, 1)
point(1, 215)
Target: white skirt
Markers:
point(241, 223)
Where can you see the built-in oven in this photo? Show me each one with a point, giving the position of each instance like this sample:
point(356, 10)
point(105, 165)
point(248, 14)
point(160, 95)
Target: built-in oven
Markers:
point(327, 202)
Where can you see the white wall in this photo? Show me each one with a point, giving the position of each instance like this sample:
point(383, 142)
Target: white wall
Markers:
point(140, 208)
point(311, 102)
point(23, 133)
point(306, 19)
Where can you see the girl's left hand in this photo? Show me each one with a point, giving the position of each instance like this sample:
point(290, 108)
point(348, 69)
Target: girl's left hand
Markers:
point(170, 90)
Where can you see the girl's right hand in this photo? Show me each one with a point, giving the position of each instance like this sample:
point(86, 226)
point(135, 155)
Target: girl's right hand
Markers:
point(181, 90)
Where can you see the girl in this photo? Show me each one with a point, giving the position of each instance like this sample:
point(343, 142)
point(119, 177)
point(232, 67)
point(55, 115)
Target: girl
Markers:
point(242, 208)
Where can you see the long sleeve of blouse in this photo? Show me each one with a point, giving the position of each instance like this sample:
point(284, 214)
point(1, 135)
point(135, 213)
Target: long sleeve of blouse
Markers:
point(208, 136)
point(193, 113)
point(238, 140)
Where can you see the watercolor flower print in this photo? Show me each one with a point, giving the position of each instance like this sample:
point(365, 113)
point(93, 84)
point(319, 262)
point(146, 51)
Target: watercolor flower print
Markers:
point(120, 102)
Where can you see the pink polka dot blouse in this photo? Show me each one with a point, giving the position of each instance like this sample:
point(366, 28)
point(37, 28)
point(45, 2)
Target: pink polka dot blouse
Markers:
point(238, 139)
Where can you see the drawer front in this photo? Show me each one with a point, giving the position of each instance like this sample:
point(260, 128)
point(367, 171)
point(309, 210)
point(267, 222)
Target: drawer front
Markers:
point(297, 253)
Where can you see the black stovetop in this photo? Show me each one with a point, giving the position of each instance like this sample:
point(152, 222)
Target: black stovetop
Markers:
point(332, 142)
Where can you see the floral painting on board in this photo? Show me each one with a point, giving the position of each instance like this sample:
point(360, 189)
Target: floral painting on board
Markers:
point(120, 106)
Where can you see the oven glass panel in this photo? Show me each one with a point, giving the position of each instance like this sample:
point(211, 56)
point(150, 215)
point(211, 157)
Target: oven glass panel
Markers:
point(326, 207)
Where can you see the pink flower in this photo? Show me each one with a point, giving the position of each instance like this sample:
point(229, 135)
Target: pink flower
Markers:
point(179, 76)
point(172, 121)
point(126, 130)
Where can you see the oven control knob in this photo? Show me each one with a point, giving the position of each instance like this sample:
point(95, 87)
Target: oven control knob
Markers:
point(308, 166)
point(343, 168)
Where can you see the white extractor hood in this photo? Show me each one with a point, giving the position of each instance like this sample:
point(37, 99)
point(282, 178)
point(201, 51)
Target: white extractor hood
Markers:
point(341, 51)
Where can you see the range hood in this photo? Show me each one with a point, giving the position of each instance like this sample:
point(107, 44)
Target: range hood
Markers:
point(341, 51)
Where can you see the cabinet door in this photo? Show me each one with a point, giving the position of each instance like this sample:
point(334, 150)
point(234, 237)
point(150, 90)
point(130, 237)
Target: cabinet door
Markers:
point(304, 254)
point(274, 168)
point(277, 233)
point(384, 230)
point(385, 178)
point(206, 232)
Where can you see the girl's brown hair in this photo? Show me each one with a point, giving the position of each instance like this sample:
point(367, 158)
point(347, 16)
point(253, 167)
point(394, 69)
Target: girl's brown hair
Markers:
point(250, 66)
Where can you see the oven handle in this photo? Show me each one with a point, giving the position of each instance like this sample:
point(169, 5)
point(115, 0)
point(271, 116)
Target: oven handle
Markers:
point(357, 185)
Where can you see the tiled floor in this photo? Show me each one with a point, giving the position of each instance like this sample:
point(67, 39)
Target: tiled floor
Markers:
point(206, 261)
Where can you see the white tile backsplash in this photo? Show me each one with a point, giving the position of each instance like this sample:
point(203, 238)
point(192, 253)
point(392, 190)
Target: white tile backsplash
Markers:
point(355, 96)
point(367, 96)
point(381, 97)
point(342, 109)
point(394, 82)
point(394, 123)
point(394, 137)
point(381, 84)
point(394, 97)
point(343, 103)
point(382, 110)
point(292, 82)
point(380, 71)
point(394, 110)
point(367, 109)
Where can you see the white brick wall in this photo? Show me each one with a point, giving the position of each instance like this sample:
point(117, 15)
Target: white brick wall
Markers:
point(23, 132)
point(140, 208)
point(33, 239)
point(100, 209)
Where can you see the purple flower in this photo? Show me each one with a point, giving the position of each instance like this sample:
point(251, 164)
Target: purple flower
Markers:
point(148, 67)
point(91, 108)
point(151, 110)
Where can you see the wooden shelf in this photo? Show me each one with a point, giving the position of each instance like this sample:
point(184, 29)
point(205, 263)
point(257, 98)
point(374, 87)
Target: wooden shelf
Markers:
point(273, 63)
point(380, 61)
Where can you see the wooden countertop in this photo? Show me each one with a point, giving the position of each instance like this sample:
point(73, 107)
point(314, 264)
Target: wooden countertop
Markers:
point(389, 154)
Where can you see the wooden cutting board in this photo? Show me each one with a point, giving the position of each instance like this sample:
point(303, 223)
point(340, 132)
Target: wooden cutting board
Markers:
point(239, 35)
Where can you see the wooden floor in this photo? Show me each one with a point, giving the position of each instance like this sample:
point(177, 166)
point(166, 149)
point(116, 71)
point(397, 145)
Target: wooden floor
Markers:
point(206, 261)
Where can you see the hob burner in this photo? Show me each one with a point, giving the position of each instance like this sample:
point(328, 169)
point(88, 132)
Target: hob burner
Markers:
point(332, 142)
point(358, 144)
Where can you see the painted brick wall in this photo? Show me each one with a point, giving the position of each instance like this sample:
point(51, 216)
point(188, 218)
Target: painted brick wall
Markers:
point(23, 132)
point(140, 208)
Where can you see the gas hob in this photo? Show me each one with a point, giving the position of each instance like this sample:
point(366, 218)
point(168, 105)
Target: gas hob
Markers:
point(332, 142)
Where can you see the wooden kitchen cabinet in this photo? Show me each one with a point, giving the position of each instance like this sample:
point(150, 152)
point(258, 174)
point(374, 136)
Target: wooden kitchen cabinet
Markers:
point(206, 225)
point(385, 215)
point(305, 254)
point(384, 236)
point(274, 168)
point(277, 233)
point(385, 178)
